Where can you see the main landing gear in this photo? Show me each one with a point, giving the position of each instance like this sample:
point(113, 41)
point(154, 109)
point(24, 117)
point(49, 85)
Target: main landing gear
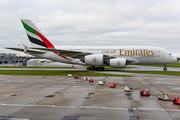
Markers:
point(165, 68)
point(95, 68)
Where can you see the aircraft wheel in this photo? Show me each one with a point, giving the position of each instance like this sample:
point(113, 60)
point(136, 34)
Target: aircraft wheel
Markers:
point(89, 68)
point(93, 68)
point(102, 68)
point(97, 68)
point(165, 69)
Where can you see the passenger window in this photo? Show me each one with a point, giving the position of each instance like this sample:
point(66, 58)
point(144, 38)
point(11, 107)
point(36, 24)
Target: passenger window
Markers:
point(170, 54)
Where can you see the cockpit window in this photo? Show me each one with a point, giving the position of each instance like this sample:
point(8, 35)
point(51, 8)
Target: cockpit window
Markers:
point(170, 54)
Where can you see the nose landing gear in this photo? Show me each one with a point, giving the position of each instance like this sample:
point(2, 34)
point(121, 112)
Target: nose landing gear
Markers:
point(165, 68)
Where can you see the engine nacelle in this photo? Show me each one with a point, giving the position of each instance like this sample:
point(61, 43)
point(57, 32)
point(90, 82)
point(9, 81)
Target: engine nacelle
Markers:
point(118, 62)
point(95, 60)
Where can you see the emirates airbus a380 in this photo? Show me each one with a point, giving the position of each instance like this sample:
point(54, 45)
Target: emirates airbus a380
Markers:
point(94, 56)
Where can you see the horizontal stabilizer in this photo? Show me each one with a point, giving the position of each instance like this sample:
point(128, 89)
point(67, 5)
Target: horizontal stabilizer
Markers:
point(28, 51)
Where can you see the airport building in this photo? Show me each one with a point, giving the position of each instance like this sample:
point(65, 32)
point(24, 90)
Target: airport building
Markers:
point(15, 59)
point(12, 58)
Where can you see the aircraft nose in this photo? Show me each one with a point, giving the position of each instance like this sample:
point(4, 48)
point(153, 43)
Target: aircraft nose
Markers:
point(174, 59)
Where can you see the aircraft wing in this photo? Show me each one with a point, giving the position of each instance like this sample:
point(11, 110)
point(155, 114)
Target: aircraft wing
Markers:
point(70, 53)
point(28, 51)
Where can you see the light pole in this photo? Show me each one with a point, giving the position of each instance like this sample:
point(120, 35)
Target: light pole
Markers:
point(18, 54)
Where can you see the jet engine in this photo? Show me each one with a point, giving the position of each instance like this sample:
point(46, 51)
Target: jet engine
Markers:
point(95, 60)
point(118, 62)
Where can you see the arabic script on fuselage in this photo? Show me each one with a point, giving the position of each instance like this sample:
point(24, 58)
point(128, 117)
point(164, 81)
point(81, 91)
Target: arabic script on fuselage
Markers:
point(109, 51)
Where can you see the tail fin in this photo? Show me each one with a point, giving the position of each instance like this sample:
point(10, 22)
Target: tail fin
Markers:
point(35, 35)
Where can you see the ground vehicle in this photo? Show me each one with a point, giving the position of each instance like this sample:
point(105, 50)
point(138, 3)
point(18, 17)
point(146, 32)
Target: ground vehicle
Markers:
point(176, 100)
point(91, 80)
point(86, 78)
point(128, 89)
point(163, 96)
point(101, 82)
point(75, 77)
point(112, 85)
point(145, 92)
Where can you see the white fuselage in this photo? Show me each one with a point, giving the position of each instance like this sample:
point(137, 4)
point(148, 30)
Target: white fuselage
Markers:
point(142, 55)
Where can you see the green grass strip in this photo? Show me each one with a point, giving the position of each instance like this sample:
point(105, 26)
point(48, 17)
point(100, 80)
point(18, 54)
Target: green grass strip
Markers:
point(37, 67)
point(156, 72)
point(54, 73)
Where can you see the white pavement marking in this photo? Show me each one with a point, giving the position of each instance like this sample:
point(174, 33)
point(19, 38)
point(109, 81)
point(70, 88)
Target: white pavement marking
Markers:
point(151, 109)
point(18, 119)
point(87, 107)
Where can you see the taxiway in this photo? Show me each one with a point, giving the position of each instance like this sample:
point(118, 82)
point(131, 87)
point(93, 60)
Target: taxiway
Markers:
point(64, 98)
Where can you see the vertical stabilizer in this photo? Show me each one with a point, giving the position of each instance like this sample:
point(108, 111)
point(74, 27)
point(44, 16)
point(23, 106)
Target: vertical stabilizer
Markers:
point(35, 36)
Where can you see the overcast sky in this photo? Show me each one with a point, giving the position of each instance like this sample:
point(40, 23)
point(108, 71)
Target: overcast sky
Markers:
point(94, 22)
